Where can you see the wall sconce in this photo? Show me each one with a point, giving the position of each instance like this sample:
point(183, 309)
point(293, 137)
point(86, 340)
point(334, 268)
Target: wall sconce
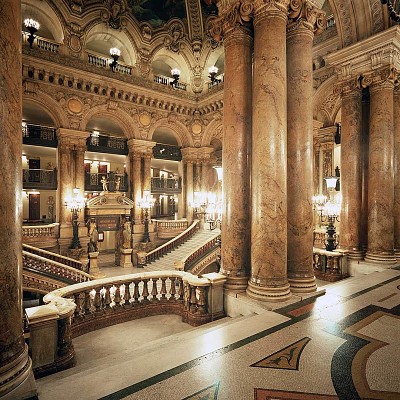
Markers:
point(74, 205)
point(32, 26)
point(392, 12)
point(146, 203)
point(175, 73)
point(115, 53)
point(212, 75)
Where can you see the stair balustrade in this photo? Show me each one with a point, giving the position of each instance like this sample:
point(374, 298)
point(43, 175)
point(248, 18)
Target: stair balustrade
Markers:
point(203, 256)
point(330, 265)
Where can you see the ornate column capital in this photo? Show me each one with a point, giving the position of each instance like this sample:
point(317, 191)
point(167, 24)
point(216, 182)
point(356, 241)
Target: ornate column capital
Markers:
point(237, 17)
point(379, 79)
point(267, 8)
point(70, 139)
point(142, 147)
point(305, 17)
point(348, 87)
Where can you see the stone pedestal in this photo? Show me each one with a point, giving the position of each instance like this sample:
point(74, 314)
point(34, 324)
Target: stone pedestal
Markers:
point(126, 258)
point(141, 258)
point(94, 266)
point(216, 293)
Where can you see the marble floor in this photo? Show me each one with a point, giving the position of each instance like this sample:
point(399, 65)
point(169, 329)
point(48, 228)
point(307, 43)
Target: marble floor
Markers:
point(343, 344)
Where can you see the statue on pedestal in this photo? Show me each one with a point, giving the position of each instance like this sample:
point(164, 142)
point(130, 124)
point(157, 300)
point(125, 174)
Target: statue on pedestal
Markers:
point(93, 236)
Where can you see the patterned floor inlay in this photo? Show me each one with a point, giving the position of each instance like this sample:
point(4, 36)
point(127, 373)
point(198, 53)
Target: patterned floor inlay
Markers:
point(286, 358)
point(209, 393)
point(387, 297)
point(265, 394)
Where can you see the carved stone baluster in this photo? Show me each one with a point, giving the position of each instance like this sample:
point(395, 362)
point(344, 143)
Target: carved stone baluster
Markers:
point(145, 292)
point(78, 309)
point(97, 301)
point(127, 295)
point(172, 289)
point(193, 299)
point(181, 290)
point(87, 305)
point(117, 296)
point(329, 265)
point(201, 302)
point(336, 267)
point(64, 344)
point(107, 298)
point(136, 293)
point(186, 296)
point(163, 289)
point(154, 290)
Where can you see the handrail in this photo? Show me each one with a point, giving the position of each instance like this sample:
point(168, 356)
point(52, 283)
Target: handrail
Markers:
point(54, 257)
point(54, 269)
point(171, 244)
point(200, 252)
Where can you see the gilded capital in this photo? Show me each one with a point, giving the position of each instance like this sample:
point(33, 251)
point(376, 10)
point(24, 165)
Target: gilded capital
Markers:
point(385, 77)
point(304, 13)
point(238, 14)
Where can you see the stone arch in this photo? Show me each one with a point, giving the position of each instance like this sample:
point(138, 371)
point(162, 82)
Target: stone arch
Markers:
point(50, 25)
point(213, 131)
point(51, 106)
point(180, 131)
point(326, 102)
point(120, 117)
point(345, 21)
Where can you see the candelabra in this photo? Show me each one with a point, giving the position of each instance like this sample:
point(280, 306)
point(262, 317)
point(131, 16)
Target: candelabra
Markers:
point(115, 53)
point(32, 26)
point(74, 205)
point(175, 73)
point(146, 204)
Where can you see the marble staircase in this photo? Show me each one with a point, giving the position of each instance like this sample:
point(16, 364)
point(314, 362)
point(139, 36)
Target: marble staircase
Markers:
point(180, 253)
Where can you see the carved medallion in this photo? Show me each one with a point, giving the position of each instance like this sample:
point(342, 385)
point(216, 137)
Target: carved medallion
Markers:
point(75, 106)
point(196, 128)
point(145, 119)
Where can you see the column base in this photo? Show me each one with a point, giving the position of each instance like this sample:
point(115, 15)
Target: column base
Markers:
point(384, 258)
point(355, 254)
point(397, 254)
point(236, 284)
point(303, 285)
point(268, 293)
point(17, 380)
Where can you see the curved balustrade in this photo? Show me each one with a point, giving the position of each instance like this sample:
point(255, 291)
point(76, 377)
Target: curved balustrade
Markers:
point(170, 228)
point(40, 235)
point(53, 269)
point(55, 257)
point(330, 265)
point(170, 245)
point(201, 252)
point(41, 43)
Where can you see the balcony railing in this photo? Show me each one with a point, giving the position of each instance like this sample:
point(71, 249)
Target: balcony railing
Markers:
point(165, 80)
point(93, 181)
point(167, 152)
point(39, 179)
point(167, 229)
point(41, 43)
point(104, 62)
point(39, 135)
point(107, 144)
point(166, 185)
point(211, 85)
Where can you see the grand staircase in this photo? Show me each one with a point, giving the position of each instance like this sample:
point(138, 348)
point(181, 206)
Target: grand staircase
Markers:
point(167, 262)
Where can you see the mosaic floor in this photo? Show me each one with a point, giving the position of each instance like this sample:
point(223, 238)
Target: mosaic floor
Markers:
point(342, 345)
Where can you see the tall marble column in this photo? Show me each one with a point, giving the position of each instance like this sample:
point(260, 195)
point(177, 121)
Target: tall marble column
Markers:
point(16, 377)
point(235, 232)
point(65, 178)
point(381, 176)
point(136, 184)
point(189, 190)
point(269, 280)
point(300, 129)
point(147, 172)
point(397, 172)
point(351, 170)
point(80, 149)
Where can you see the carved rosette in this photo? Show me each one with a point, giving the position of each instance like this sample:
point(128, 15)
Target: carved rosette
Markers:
point(303, 13)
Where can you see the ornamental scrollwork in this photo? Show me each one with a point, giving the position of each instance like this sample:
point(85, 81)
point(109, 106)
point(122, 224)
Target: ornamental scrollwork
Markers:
point(306, 13)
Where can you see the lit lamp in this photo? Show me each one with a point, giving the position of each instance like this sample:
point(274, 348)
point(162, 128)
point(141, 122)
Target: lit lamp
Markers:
point(75, 205)
point(32, 26)
point(331, 182)
point(175, 73)
point(146, 204)
point(115, 53)
point(213, 71)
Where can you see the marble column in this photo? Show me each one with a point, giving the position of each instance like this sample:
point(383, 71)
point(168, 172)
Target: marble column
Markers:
point(147, 172)
point(16, 377)
point(235, 251)
point(351, 171)
point(189, 190)
point(397, 172)
point(269, 280)
point(300, 132)
point(80, 177)
point(136, 176)
point(364, 168)
point(381, 176)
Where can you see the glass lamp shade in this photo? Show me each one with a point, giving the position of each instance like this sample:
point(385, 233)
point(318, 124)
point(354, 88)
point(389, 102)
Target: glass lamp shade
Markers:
point(332, 209)
point(213, 70)
point(175, 71)
point(115, 52)
point(331, 182)
point(147, 201)
point(31, 24)
point(76, 202)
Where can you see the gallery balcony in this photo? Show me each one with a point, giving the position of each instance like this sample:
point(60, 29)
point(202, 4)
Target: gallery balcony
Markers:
point(93, 181)
point(167, 152)
point(166, 185)
point(39, 179)
point(107, 144)
point(39, 135)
